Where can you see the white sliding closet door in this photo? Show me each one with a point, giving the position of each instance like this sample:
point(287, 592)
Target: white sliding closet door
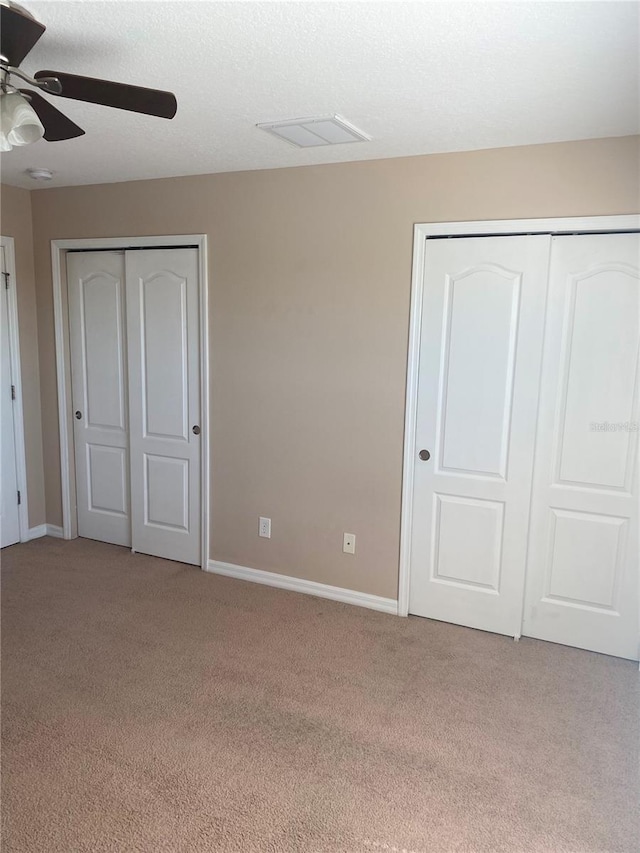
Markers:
point(582, 587)
point(164, 402)
point(480, 354)
point(99, 394)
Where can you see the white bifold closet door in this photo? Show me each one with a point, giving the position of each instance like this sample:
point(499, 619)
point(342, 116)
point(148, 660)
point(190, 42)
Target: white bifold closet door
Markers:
point(582, 581)
point(134, 332)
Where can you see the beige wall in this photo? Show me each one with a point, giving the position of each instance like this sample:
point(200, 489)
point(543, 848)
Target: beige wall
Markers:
point(310, 272)
point(15, 221)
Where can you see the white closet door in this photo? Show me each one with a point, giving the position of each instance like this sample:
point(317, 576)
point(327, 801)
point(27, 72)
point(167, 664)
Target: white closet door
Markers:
point(582, 587)
point(480, 354)
point(164, 383)
point(99, 392)
point(9, 518)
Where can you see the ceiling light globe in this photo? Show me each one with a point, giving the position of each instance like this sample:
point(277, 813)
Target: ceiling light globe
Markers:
point(19, 123)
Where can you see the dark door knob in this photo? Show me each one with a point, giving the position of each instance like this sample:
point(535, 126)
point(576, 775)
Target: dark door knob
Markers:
point(424, 455)
point(195, 430)
point(78, 414)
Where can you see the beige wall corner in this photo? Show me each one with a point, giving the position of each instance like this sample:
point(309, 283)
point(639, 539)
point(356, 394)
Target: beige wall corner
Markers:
point(310, 276)
point(15, 221)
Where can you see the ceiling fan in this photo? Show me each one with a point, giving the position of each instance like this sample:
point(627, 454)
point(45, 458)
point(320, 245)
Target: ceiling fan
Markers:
point(19, 31)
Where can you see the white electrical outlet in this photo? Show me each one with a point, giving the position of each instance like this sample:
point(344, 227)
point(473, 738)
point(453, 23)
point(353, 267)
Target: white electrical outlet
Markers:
point(349, 543)
point(264, 527)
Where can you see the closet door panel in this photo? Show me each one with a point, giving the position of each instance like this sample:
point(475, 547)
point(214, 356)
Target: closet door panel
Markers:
point(9, 514)
point(164, 366)
point(480, 353)
point(164, 327)
point(99, 394)
point(599, 345)
point(582, 586)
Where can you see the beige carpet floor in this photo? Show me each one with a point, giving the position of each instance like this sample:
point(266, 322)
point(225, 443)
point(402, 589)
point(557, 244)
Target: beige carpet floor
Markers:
point(149, 706)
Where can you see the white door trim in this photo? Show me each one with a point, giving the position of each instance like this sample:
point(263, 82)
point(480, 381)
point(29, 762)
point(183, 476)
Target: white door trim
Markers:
point(569, 225)
point(16, 379)
point(59, 249)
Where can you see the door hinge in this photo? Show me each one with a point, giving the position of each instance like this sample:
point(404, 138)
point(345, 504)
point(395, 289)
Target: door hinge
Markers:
point(6, 276)
point(19, 498)
point(13, 392)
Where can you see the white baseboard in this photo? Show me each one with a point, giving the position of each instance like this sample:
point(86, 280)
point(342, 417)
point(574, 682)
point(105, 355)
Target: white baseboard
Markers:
point(322, 590)
point(45, 530)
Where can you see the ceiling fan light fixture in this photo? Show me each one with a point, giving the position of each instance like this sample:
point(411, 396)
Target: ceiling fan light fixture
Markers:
point(19, 124)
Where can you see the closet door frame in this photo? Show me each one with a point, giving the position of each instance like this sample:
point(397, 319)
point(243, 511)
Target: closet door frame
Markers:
point(422, 233)
point(59, 249)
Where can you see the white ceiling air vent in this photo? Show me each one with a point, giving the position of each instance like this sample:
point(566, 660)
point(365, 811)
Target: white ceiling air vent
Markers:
point(309, 132)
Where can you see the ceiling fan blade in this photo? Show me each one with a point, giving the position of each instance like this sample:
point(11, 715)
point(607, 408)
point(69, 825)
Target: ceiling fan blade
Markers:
point(56, 125)
point(152, 102)
point(19, 31)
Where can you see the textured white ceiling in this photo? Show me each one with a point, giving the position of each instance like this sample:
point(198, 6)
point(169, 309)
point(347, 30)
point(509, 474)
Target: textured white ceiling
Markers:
point(418, 77)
